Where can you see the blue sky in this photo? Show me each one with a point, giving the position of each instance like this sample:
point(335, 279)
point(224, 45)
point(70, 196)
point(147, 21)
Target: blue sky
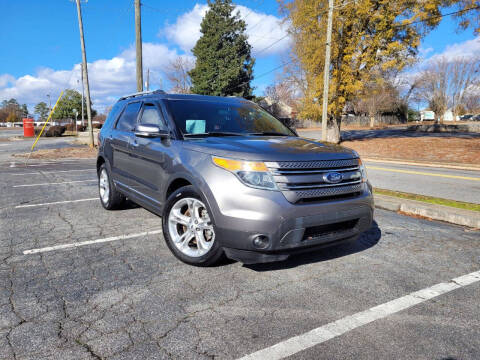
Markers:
point(41, 49)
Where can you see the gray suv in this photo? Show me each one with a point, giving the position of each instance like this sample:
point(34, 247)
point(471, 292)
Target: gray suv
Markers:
point(230, 179)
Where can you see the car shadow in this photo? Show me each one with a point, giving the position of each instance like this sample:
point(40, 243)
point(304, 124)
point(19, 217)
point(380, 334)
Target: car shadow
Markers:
point(127, 205)
point(367, 240)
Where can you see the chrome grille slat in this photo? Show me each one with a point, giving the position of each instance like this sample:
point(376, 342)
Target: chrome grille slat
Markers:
point(276, 171)
point(317, 164)
point(315, 186)
point(304, 179)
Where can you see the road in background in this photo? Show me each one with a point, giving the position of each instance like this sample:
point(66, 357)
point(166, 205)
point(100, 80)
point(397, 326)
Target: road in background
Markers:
point(10, 132)
point(460, 185)
point(20, 145)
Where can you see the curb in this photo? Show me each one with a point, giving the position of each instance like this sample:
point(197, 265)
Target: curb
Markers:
point(413, 163)
point(436, 212)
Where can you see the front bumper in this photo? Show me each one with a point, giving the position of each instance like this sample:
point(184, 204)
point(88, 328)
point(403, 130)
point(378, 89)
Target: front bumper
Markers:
point(241, 213)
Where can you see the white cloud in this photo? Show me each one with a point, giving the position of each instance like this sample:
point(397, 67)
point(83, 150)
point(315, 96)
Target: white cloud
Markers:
point(262, 29)
point(109, 78)
point(5, 80)
point(466, 49)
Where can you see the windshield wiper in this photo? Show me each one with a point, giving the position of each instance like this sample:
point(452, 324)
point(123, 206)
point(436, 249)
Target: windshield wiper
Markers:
point(268, 133)
point(214, 133)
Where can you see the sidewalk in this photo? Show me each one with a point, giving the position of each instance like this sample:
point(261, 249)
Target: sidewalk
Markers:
point(431, 211)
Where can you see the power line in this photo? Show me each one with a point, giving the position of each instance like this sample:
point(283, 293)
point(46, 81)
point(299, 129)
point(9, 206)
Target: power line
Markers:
point(438, 16)
point(269, 46)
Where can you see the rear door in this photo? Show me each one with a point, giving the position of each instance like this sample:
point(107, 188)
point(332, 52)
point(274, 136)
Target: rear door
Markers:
point(121, 138)
point(150, 155)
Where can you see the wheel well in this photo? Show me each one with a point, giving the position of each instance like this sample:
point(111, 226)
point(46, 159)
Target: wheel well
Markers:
point(176, 184)
point(100, 161)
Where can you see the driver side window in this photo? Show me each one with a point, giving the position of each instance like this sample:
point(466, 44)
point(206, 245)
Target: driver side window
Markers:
point(152, 116)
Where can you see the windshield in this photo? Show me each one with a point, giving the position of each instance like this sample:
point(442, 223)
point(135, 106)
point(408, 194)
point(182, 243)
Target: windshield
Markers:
point(197, 117)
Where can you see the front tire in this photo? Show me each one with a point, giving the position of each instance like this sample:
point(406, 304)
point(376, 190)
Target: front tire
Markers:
point(189, 230)
point(110, 198)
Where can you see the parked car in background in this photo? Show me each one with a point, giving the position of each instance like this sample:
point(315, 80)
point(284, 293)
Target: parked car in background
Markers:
point(230, 179)
point(466, 117)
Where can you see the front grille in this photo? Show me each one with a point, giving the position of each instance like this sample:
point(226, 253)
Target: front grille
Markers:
point(304, 180)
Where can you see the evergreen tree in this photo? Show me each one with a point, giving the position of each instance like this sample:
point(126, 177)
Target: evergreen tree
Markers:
point(224, 65)
point(41, 109)
point(70, 100)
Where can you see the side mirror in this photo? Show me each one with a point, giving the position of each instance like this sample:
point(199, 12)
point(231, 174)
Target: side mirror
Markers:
point(151, 131)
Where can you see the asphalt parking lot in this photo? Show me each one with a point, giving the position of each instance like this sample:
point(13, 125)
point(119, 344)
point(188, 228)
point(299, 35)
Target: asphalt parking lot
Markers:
point(78, 282)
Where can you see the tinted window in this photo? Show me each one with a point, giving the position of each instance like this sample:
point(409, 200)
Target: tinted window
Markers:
point(151, 116)
point(128, 118)
point(113, 114)
point(200, 116)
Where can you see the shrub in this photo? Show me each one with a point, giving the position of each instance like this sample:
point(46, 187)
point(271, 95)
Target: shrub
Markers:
point(71, 127)
point(54, 131)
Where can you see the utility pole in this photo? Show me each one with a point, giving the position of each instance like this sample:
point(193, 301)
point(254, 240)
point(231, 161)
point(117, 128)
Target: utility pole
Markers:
point(83, 99)
point(326, 71)
point(138, 43)
point(147, 83)
point(49, 103)
point(83, 119)
point(85, 74)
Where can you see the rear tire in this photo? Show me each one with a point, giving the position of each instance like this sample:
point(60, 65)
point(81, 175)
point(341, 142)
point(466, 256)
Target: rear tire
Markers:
point(189, 230)
point(110, 198)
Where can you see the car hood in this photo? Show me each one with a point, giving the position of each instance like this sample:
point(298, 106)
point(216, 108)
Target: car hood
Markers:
point(269, 148)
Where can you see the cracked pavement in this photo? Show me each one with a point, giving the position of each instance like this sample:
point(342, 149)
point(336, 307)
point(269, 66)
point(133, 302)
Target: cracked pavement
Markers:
point(131, 299)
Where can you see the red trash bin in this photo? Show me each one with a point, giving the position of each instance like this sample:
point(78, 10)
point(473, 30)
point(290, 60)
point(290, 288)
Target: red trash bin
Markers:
point(28, 127)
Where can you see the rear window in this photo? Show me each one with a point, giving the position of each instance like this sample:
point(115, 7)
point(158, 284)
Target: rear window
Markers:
point(113, 114)
point(128, 118)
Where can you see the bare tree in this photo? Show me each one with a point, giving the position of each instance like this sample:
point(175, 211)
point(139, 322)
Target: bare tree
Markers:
point(281, 92)
point(177, 74)
point(444, 83)
point(380, 95)
point(471, 100)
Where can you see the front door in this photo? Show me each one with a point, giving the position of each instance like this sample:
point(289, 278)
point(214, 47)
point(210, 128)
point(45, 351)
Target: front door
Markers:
point(150, 155)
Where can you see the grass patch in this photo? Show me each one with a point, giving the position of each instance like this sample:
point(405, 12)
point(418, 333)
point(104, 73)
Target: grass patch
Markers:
point(429, 199)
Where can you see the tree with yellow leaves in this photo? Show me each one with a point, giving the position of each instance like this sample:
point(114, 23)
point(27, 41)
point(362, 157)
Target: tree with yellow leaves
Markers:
point(368, 36)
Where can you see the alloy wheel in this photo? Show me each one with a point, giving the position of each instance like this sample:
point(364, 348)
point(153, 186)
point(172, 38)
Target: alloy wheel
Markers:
point(190, 227)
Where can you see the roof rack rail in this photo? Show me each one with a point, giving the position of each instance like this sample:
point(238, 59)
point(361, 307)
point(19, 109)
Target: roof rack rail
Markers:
point(143, 93)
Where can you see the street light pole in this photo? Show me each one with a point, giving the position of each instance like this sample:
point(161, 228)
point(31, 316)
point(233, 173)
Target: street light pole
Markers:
point(49, 103)
point(83, 118)
point(326, 71)
point(85, 73)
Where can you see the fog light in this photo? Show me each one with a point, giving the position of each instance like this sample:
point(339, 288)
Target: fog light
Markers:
point(260, 241)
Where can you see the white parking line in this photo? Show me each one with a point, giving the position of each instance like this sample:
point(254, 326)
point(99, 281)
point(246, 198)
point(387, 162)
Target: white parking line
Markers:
point(55, 183)
point(54, 171)
point(54, 203)
point(90, 242)
point(339, 327)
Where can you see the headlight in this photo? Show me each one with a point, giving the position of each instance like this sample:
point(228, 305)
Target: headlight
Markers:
point(251, 173)
point(363, 170)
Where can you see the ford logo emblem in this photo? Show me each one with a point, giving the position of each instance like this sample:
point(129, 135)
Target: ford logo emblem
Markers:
point(332, 177)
